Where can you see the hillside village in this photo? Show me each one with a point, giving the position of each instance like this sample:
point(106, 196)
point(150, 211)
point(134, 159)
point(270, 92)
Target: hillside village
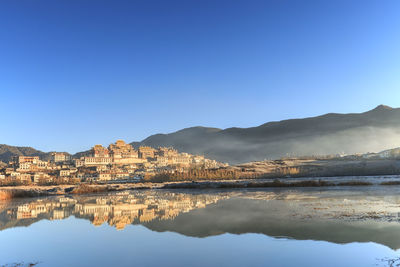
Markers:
point(117, 162)
point(121, 162)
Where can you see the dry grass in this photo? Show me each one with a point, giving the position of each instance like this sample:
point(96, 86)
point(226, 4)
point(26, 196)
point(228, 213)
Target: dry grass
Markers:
point(354, 183)
point(390, 183)
point(90, 189)
point(278, 183)
point(20, 193)
point(20, 264)
point(275, 183)
point(4, 195)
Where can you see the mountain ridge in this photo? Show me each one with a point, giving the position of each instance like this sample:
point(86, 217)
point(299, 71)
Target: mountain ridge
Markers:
point(331, 133)
point(301, 136)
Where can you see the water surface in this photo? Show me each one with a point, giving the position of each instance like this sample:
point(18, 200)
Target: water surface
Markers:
point(344, 226)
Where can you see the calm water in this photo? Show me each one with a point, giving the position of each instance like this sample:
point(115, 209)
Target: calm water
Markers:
point(302, 227)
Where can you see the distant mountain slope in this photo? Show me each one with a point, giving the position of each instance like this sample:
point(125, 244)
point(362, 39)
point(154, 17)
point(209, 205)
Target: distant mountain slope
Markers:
point(7, 152)
point(372, 131)
point(375, 130)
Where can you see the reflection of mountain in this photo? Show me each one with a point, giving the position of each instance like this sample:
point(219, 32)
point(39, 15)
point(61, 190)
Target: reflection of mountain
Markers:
point(339, 217)
point(257, 217)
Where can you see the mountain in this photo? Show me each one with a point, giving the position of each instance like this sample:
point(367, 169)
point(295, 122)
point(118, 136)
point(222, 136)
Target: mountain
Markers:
point(332, 133)
point(372, 131)
point(7, 152)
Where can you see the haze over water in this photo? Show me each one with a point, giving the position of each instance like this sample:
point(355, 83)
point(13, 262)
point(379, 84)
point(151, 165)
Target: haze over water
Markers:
point(351, 226)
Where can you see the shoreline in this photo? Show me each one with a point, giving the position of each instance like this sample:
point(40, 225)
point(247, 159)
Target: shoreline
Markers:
point(26, 191)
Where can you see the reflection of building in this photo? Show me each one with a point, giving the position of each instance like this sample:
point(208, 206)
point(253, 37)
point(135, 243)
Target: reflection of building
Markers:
point(118, 209)
point(147, 215)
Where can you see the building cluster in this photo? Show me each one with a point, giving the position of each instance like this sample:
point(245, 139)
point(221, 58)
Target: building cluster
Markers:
point(117, 210)
point(118, 161)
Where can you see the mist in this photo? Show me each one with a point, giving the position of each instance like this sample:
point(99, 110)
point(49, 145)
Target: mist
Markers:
point(330, 134)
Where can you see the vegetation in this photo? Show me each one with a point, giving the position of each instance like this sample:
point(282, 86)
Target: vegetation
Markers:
point(88, 189)
point(44, 182)
point(278, 183)
point(20, 264)
point(275, 183)
point(11, 182)
point(20, 193)
point(390, 183)
point(202, 174)
point(354, 183)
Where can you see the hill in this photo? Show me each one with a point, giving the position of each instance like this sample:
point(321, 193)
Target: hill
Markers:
point(7, 152)
point(332, 133)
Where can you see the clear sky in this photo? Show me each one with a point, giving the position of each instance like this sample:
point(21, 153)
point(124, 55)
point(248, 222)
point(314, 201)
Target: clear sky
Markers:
point(74, 73)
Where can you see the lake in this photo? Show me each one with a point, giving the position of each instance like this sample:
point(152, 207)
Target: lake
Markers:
point(346, 226)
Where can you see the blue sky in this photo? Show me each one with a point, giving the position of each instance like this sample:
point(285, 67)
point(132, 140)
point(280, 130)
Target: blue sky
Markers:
point(75, 73)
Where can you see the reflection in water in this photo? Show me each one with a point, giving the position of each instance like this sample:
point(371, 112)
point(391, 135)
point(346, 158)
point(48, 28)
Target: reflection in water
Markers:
point(337, 216)
point(116, 209)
